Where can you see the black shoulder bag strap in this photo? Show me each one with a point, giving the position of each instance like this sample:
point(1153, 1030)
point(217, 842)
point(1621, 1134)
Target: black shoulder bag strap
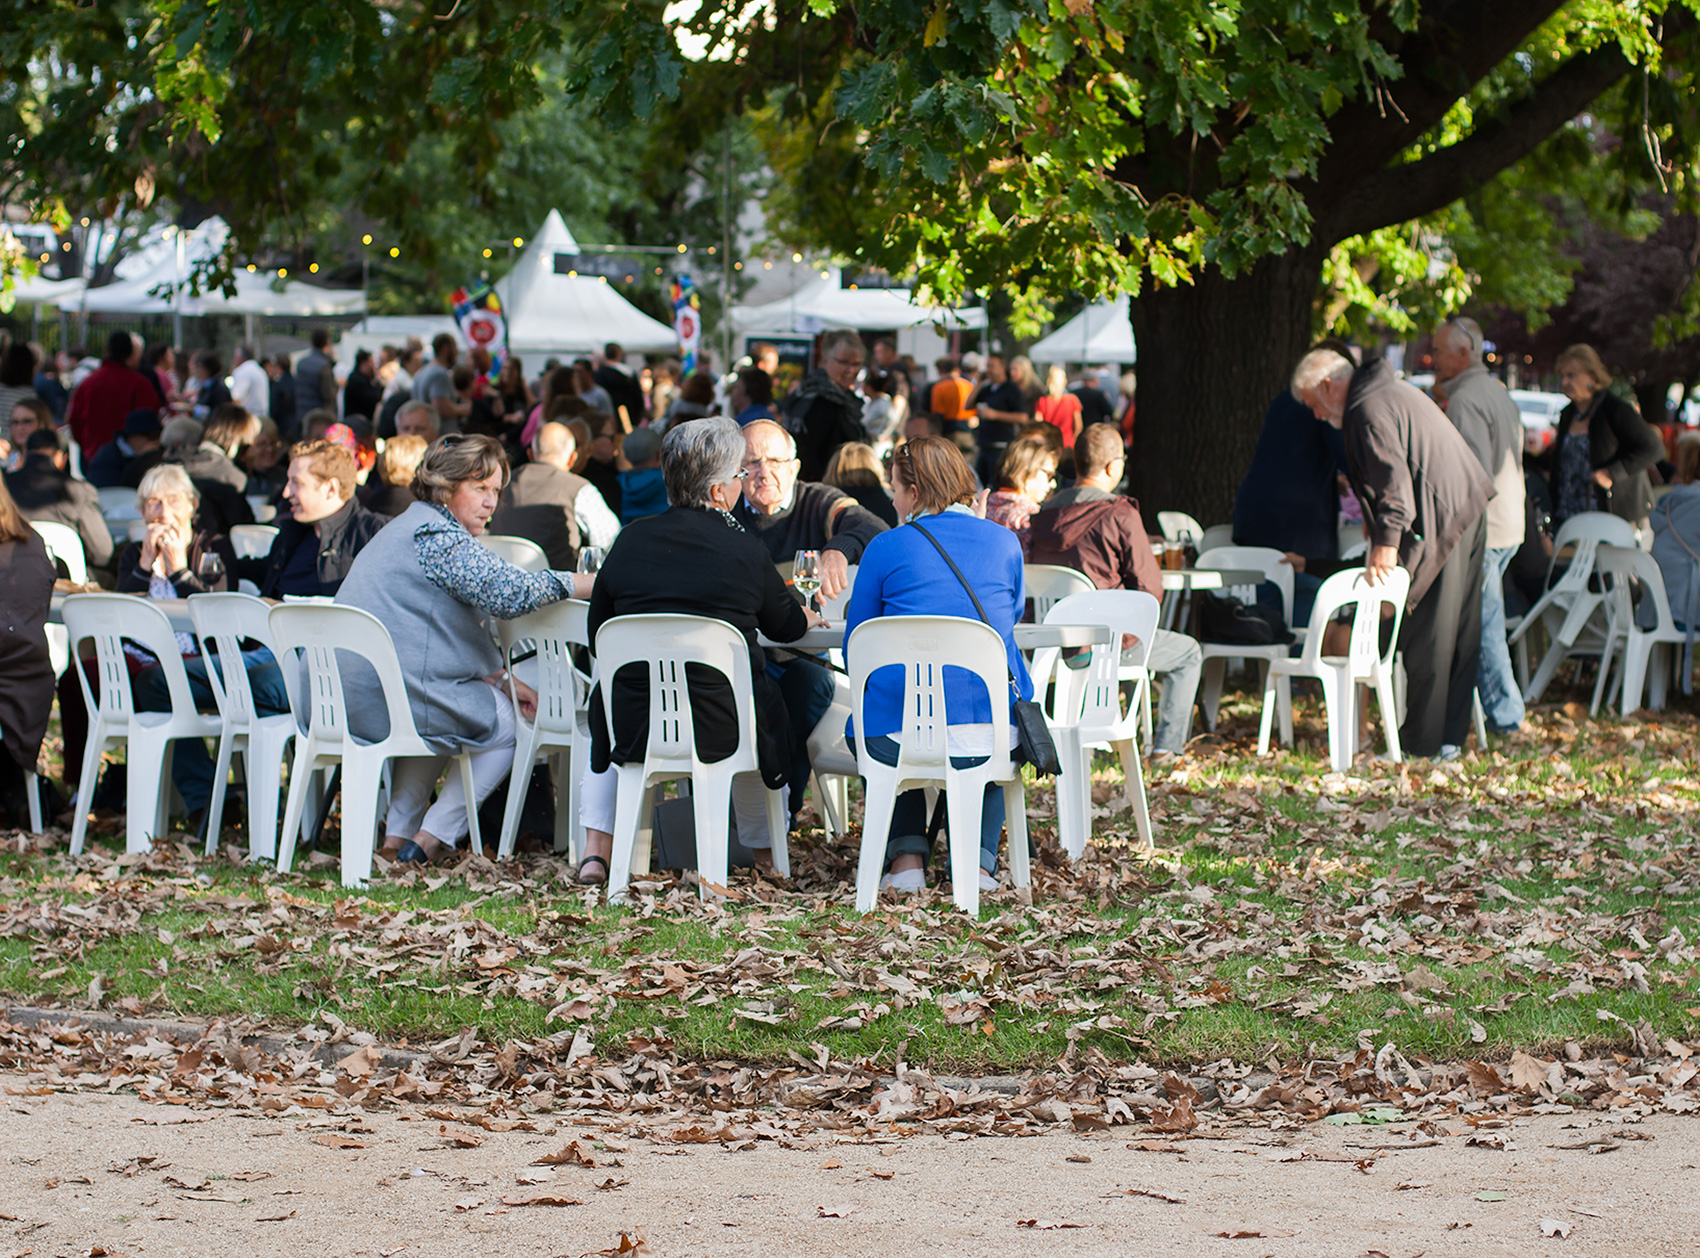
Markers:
point(1033, 735)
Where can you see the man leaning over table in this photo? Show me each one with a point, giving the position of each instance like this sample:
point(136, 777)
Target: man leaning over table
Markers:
point(1095, 530)
point(788, 515)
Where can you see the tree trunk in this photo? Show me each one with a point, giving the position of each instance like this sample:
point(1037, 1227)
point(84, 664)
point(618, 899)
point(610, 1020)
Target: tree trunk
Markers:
point(1212, 356)
point(1651, 394)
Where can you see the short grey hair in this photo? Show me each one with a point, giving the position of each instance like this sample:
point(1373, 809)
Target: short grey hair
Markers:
point(847, 338)
point(421, 408)
point(1317, 366)
point(1462, 326)
point(699, 455)
point(166, 478)
point(763, 424)
point(182, 433)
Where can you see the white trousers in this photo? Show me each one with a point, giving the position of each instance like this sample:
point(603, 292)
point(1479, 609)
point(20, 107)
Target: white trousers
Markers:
point(413, 778)
point(598, 793)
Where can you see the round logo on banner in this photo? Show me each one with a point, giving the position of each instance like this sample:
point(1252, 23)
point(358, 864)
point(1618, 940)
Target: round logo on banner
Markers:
point(687, 327)
point(482, 328)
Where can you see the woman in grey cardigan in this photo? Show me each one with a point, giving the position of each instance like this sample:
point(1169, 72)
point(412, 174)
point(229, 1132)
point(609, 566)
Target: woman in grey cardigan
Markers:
point(431, 583)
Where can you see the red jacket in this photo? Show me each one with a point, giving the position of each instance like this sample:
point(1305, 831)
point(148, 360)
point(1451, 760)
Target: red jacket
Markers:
point(100, 403)
point(1100, 534)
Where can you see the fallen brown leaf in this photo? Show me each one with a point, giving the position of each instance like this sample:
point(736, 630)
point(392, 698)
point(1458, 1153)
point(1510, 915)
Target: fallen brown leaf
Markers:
point(542, 1199)
point(571, 1154)
point(336, 1140)
point(1045, 1225)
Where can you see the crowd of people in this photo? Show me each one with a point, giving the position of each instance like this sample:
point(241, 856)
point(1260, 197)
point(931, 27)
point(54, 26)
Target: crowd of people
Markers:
point(696, 491)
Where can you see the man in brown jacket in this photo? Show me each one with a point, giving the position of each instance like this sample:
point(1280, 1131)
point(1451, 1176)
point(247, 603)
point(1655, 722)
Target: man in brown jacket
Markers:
point(1095, 530)
point(1424, 496)
point(547, 504)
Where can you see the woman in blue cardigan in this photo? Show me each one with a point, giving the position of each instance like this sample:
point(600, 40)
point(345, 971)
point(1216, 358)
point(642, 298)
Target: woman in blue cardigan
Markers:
point(902, 574)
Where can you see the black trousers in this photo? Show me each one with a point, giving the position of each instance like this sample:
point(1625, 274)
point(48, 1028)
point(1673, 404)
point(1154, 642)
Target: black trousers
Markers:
point(1442, 642)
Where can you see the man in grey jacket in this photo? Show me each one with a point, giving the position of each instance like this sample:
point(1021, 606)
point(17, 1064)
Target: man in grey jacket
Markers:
point(1424, 494)
point(1487, 419)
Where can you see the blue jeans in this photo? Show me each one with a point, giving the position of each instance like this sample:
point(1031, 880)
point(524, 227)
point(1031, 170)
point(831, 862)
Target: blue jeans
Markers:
point(1502, 701)
point(909, 816)
point(807, 688)
point(191, 763)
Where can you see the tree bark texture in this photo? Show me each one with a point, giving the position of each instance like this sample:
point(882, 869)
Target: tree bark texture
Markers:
point(1212, 356)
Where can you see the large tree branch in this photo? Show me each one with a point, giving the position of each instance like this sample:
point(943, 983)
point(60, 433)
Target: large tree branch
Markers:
point(1397, 193)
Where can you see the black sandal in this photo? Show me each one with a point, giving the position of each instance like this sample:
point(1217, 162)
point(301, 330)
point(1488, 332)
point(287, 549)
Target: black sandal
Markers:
point(592, 882)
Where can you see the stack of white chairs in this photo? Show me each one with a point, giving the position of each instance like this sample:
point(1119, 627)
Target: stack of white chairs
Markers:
point(1572, 609)
point(663, 646)
point(223, 622)
point(521, 552)
point(1046, 584)
point(1365, 663)
point(560, 729)
point(1621, 568)
point(109, 620)
point(922, 647)
point(1272, 564)
point(319, 633)
point(1086, 709)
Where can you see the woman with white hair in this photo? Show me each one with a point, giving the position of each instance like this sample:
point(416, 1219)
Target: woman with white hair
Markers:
point(693, 559)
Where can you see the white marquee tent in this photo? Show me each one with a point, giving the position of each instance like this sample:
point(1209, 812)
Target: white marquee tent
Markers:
point(824, 303)
point(148, 278)
point(560, 315)
point(1101, 333)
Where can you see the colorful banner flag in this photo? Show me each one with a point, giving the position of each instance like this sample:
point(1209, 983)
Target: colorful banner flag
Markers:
point(478, 312)
point(687, 320)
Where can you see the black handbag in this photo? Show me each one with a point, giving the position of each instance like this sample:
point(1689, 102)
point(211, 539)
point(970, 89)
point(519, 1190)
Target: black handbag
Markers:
point(1226, 620)
point(1032, 734)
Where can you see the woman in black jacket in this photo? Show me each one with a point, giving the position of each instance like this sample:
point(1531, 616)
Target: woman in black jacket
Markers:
point(692, 559)
point(26, 674)
point(1603, 448)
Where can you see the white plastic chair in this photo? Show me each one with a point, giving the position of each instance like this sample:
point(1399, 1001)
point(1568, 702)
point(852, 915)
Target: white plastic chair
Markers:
point(1214, 536)
point(519, 551)
point(1046, 583)
point(1271, 563)
point(562, 727)
point(1086, 709)
point(110, 619)
point(222, 623)
point(830, 758)
point(260, 505)
point(1178, 526)
point(1624, 566)
point(63, 545)
point(1347, 538)
point(252, 541)
point(319, 633)
point(923, 646)
point(663, 646)
point(1570, 609)
point(1365, 662)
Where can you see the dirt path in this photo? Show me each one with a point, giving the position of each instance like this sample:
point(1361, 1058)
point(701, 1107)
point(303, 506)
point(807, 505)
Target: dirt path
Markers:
point(224, 1182)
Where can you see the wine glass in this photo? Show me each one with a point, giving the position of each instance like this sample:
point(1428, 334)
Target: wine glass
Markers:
point(805, 575)
point(210, 569)
point(590, 560)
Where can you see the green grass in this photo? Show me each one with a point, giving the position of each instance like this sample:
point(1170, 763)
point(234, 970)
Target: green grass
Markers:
point(1519, 901)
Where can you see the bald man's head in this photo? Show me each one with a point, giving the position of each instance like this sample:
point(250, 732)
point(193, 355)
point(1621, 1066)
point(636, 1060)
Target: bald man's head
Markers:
point(554, 444)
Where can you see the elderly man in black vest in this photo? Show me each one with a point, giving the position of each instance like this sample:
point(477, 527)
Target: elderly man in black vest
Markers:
point(547, 503)
point(1424, 495)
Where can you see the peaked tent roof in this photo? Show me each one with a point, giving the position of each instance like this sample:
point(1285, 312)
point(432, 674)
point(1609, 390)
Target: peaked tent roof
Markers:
point(825, 303)
point(1101, 333)
point(570, 314)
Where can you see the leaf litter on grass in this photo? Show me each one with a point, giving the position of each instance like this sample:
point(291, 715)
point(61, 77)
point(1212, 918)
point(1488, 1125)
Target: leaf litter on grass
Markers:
point(1431, 904)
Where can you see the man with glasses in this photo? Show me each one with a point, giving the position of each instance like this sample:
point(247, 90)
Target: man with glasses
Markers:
point(789, 515)
point(825, 412)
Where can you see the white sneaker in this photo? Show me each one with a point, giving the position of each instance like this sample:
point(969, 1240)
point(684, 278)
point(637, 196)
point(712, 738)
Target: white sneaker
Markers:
point(907, 881)
point(1448, 752)
point(987, 882)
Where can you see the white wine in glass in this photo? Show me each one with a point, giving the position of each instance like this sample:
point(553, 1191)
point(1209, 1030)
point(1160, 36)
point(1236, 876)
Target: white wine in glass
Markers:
point(805, 575)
